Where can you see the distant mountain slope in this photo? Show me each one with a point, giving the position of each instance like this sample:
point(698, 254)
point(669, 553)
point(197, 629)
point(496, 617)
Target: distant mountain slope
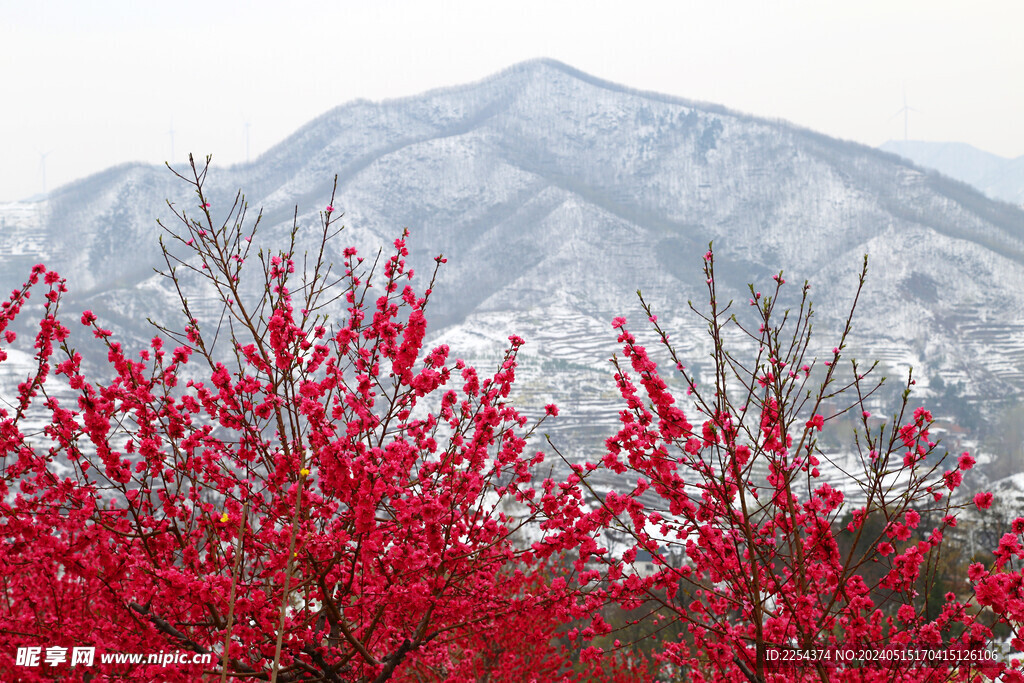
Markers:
point(555, 196)
point(996, 176)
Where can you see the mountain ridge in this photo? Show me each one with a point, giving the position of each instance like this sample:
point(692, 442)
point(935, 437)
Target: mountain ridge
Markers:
point(556, 196)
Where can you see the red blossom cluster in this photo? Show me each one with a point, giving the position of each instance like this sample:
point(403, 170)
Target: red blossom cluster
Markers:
point(315, 502)
point(754, 554)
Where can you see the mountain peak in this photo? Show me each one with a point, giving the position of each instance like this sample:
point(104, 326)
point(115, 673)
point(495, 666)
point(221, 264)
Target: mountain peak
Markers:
point(555, 195)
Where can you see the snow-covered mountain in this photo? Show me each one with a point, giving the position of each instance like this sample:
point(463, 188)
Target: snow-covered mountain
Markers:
point(555, 196)
point(998, 177)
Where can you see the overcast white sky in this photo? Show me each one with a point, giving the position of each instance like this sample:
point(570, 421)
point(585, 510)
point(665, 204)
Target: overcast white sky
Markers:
point(99, 83)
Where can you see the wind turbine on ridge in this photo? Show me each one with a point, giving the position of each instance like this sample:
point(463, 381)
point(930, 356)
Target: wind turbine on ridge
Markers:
point(906, 114)
point(42, 166)
point(247, 125)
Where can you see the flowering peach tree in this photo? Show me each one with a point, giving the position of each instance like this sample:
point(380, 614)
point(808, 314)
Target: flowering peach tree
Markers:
point(766, 570)
point(274, 496)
